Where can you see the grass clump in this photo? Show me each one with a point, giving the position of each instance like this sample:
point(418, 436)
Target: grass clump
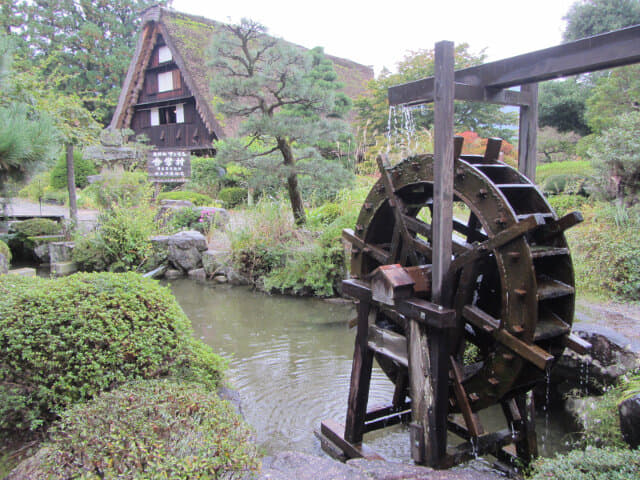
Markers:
point(197, 199)
point(589, 464)
point(65, 340)
point(579, 168)
point(151, 429)
point(606, 251)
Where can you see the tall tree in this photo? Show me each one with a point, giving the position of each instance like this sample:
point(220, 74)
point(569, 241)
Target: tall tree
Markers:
point(286, 98)
point(83, 47)
point(562, 105)
point(591, 17)
point(27, 137)
point(482, 118)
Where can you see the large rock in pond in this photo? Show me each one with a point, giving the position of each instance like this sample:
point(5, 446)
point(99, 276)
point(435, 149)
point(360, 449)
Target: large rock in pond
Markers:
point(611, 356)
point(60, 251)
point(215, 261)
point(629, 411)
point(185, 249)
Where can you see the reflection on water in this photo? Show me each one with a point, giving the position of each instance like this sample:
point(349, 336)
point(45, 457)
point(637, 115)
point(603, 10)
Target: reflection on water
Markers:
point(290, 362)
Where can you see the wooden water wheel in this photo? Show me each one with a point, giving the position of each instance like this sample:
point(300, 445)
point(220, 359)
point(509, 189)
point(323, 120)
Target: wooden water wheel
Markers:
point(510, 303)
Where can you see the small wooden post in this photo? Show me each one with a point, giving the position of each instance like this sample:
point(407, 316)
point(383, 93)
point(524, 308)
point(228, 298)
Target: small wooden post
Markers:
point(360, 377)
point(71, 185)
point(528, 134)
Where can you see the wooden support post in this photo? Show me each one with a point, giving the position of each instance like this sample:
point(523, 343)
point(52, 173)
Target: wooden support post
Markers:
point(528, 134)
point(360, 377)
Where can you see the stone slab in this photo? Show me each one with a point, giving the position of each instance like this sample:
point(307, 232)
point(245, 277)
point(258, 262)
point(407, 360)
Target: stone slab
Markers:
point(23, 272)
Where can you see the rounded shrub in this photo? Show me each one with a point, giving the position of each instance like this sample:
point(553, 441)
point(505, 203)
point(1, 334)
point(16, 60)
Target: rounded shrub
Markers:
point(196, 198)
point(65, 340)
point(82, 168)
point(150, 429)
point(35, 227)
point(232, 196)
point(590, 464)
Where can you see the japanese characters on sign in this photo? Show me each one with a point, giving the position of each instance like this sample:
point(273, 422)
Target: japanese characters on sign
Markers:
point(169, 165)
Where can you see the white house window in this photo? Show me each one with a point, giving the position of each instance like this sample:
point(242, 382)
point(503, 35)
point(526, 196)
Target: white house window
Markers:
point(167, 115)
point(164, 54)
point(165, 82)
point(180, 113)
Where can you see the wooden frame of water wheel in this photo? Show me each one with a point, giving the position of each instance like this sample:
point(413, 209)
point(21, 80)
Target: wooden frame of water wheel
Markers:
point(499, 277)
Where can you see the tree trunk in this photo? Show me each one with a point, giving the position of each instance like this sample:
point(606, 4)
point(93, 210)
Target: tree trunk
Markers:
point(71, 185)
point(292, 182)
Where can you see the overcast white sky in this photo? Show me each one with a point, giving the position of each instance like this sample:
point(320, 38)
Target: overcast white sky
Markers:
point(381, 33)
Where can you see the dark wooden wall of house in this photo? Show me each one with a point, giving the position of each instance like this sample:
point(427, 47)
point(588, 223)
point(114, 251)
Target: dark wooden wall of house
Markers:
point(191, 134)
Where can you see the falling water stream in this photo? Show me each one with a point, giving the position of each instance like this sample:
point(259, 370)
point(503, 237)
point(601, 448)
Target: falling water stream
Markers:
point(291, 364)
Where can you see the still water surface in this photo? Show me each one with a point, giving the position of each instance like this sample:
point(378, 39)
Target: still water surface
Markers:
point(290, 361)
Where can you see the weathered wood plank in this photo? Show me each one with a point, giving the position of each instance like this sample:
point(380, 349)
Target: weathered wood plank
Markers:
point(534, 354)
point(332, 431)
point(528, 134)
point(608, 50)
point(473, 425)
point(375, 252)
point(390, 344)
point(360, 378)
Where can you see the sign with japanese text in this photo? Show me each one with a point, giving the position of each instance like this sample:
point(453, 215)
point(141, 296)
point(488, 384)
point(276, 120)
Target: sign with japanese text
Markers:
point(169, 165)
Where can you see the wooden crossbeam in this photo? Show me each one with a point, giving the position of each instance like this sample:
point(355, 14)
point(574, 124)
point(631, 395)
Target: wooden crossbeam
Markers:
point(534, 354)
point(608, 50)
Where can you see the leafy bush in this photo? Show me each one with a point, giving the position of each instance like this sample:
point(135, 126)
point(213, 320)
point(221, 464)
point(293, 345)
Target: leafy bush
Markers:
point(64, 340)
point(34, 190)
point(589, 464)
point(565, 183)
point(150, 429)
point(6, 251)
point(563, 204)
point(82, 167)
point(58, 197)
point(206, 175)
point(312, 271)
point(196, 198)
point(606, 251)
point(183, 218)
point(120, 243)
point(35, 227)
point(571, 167)
point(325, 214)
point(232, 196)
point(121, 188)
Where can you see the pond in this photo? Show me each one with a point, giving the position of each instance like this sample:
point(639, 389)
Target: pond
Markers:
point(290, 361)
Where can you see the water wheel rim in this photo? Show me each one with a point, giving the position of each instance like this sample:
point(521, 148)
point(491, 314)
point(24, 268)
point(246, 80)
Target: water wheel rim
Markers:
point(497, 206)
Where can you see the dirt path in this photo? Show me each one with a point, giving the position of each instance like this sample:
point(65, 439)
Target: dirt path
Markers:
point(623, 318)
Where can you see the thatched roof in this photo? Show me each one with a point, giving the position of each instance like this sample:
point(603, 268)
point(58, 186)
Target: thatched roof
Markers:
point(189, 37)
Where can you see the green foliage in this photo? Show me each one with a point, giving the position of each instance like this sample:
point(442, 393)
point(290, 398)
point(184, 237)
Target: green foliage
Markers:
point(591, 17)
point(571, 167)
point(589, 464)
point(179, 431)
point(121, 188)
point(565, 183)
point(35, 227)
point(232, 196)
point(286, 126)
point(562, 105)
point(563, 204)
point(81, 168)
point(65, 340)
point(121, 241)
point(184, 218)
point(6, 251)
point(325, 214)
point(555, 146)
point(605, 251)
point(615, 156)
point(197, 199)
point(315, 270)
point(373, 108)
point(206, 175)
point(79, 49)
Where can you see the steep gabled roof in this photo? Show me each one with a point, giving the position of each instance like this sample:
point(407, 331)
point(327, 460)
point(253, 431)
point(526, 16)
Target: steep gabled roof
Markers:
point(188, 37)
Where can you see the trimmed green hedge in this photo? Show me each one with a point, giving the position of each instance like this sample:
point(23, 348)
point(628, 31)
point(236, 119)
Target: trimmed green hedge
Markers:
point(233, 196)
point(150, 429)
point(65, 340)
point(35, 227)
point(197, 199)
point(82, 168)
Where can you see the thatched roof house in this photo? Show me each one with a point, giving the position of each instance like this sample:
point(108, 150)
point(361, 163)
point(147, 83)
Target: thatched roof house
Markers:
point(167, 95)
